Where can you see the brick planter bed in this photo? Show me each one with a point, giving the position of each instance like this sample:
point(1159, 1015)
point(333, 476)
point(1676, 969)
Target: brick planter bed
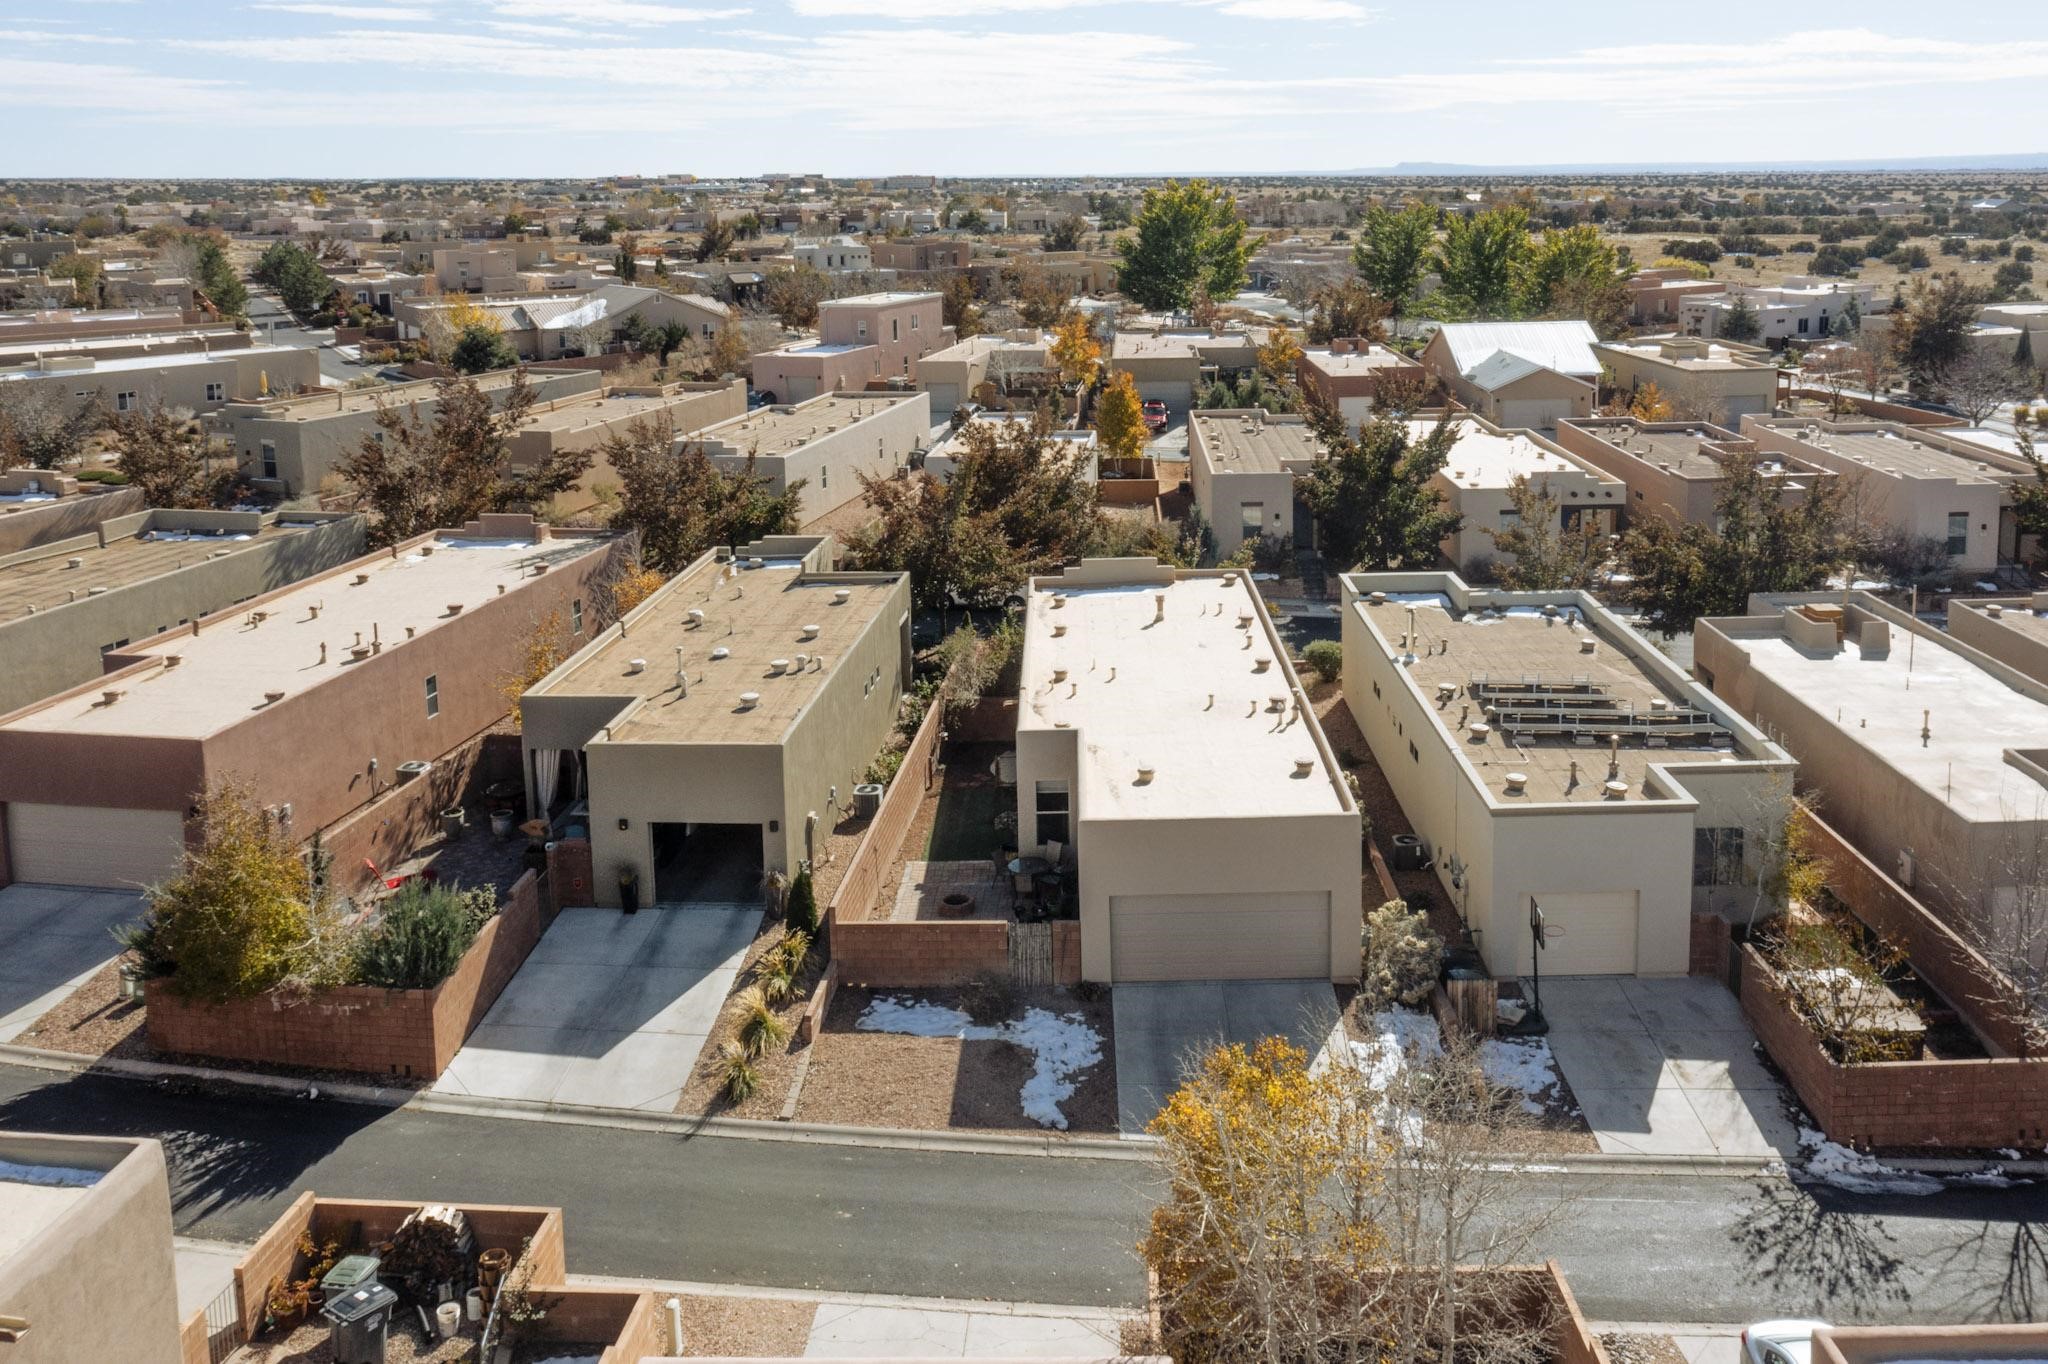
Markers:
point(411, 1034)
point(1966, 1104)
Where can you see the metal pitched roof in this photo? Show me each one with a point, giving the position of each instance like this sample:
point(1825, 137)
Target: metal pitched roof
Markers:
point(1566, 347)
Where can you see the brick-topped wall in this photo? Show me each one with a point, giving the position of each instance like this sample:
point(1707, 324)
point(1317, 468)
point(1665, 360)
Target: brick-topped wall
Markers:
point(412, 1033)
point(1982, 1104)
point(920, 955)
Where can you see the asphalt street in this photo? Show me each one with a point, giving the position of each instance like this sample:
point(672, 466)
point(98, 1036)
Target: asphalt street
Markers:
point(269, 320)
point(1033, 1228)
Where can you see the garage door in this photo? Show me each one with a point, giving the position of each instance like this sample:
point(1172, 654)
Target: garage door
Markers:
point(80, 845)
point(1174, 393)
point(945, 397)
point(1540, 413)
point(1588, 935)
point(1220, 937)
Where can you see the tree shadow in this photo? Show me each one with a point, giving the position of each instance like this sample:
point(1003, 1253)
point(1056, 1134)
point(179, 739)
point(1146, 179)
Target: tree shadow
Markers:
point(2006, 1268)
point(1812, 1246)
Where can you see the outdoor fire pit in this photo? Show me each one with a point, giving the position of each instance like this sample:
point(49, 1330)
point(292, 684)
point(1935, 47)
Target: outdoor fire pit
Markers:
point(957, 904)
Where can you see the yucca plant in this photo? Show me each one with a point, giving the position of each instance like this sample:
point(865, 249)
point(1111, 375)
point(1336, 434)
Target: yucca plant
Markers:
point(761, 1028)
point(738, 1069)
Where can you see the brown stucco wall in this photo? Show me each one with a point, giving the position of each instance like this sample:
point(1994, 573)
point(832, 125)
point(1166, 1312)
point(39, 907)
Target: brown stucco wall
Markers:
point(411, 1033)
point(47, 522)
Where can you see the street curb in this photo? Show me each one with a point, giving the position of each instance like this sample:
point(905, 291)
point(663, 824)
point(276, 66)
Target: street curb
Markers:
point(1141, 1149)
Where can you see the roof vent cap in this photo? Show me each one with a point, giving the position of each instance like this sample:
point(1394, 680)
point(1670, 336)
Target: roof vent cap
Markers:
point(749, 699)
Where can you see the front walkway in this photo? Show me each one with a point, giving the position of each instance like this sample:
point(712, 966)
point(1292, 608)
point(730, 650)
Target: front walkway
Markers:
point(1161, 1026)
point(611, 1009)
point(854, 1330)
point(1666, 1067)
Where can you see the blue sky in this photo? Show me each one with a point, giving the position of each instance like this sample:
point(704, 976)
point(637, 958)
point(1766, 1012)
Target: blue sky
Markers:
point(868, 87)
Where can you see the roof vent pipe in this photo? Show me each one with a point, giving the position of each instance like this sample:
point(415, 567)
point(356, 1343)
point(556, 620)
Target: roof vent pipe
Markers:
point(809, 632)
point(1145, 773)
point(749, 699)
point(720, 652)
point(1158, 606)
point(1304, 766)
point(635, 666)
point(682, 675)
point(778, 666)
point(842, 596)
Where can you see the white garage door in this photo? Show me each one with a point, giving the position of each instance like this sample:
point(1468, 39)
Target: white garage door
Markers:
point(81, 845)
point(1587, 935)
point(1220, 937)
point(945, 397)
point(1539, 413)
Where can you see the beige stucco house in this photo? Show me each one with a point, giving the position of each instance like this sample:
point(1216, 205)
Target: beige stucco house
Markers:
point(1548, 755)
point(1517, 374)
point(1242, 465)
point(1707, 381)
point(1478, 483)
point(827, 442)
point(719, 728)
point(861, 341)
point(1676, 470)
point(1167, 749)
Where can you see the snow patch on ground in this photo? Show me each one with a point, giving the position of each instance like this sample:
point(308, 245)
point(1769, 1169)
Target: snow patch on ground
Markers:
point(1524, 1066)
point(1825, 1162)
point(1062, 1046)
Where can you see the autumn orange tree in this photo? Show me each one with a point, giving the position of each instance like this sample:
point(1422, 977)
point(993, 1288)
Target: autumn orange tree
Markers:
point(1120, 418)
point(540, 653)
point(1650, 405)
point(1075, 352)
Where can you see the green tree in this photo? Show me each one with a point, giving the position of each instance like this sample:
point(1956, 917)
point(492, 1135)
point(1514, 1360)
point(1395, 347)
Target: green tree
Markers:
point(1740, 323)
point(481, 348)
point(1683, 571)
point(626, 264)
point(714, 241)
point(2030, 496)
point(295, 273)
point(1393, 251)
point(1018, 503)
point(1574, 272)
point(1066, 234)
point(1190, 240)
point(1350, 310)
point(1371, 493)
point(82, 271)
point(1481, 258)
point(959, 308)
point(412, 475)
point(1931, 333)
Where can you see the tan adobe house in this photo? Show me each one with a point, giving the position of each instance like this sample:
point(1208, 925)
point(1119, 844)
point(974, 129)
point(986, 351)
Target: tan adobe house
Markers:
point(1517, 374)
point(1547, 754)
point(719, 729)
point(1167, 754)
point(1676, 469)
point(862, 341)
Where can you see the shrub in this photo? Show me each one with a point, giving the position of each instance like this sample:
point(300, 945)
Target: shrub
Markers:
point(883, 769)
point(1325, 658)
point(421, 936)
point(111, 477)
point(803, 904)
point(1400, 959)
point(989, 998)
point(236, 920)
point(739, 1078)
point(761, 1029)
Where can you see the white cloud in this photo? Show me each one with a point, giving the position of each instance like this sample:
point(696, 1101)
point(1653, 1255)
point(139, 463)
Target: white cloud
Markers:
point(917, 10)
point(1310, 10)
point(613, 13)
point(361, 14)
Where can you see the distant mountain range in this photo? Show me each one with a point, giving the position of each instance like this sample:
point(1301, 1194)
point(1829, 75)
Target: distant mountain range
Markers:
point(2014, 161)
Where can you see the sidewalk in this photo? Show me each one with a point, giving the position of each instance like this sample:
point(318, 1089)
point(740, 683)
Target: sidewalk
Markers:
point(1700, 1344)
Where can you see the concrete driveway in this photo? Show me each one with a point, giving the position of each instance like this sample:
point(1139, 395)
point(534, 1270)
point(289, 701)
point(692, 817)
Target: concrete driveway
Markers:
point(1665, 1067)
point(51, 939)
point(610, 1010)
point(1161, 1024)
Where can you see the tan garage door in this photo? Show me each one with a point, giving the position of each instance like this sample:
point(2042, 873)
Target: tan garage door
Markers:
point(1220, 937)
point(79, 845)
point(1587, 935)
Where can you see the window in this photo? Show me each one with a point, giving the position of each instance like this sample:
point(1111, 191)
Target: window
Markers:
point(1251, 520)
point(269, 459)
point(433, 695)
point(1717, 857)
point(913, 322)
point(1052, 812)
point(576, 616)
point(895, 329)
point(860, 329)
point(1802, 326)
point(1958, 534)
point(127, 402)
point(1509, 518)
point(216, 393)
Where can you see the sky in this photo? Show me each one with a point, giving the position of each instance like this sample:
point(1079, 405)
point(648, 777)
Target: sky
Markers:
point(349, 88)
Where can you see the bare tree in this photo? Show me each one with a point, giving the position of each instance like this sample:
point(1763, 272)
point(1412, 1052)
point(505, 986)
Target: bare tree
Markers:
point(1979, 382)
point(2010, 928)
point(591, 338)
point(42, 427)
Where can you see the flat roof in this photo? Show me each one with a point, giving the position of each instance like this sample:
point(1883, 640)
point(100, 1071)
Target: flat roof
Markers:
point(2016, 616)
point(1519, 646)
point(576, 412)
point(172, 342)
point(34, 1198)
point(49, 581)
point(1680, 449)
point(1875, 702)
point(1242, 443)
point(1709, 357)
point(870, 300)
point(313, 407)
point(1181, 696)
point(1893, 449)
point(779, 430)
point(756, 615)
point(1338, 363)
point(224, 671)
point(1146, 345)
point(130, 363)
point(1484, 458)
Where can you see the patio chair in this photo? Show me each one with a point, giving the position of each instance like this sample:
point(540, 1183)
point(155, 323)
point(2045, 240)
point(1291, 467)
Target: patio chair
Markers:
point(1055, 853)
point(1023, 893)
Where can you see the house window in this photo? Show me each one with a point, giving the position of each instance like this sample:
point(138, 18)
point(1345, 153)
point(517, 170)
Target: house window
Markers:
point(1717, 857)
point(1509, 518)
point(127, 402)
point(1802, 326)
point(1958, 534)
point(913, 322)
point(269, 459)
point(433, 695)
point(576, 616)
point(1251, 520)
point(895, 329)
point(1053, 824)
point(216, 393)
point(860, 329)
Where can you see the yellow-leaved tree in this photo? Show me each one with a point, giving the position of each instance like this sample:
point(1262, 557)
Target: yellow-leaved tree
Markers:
point(1650, 405)
point(1279, 355)
point(1120, 418)
point(544, 650)
point(1075, 352)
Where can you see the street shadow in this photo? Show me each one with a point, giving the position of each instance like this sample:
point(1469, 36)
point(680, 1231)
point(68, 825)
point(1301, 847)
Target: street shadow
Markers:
point(226, 1146)
point(1819, 1251)
point(2005, 1266)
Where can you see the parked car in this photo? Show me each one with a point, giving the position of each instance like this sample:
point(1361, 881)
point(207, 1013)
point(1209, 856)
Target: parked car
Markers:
point(1782, 1341)
point(1156, 415)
